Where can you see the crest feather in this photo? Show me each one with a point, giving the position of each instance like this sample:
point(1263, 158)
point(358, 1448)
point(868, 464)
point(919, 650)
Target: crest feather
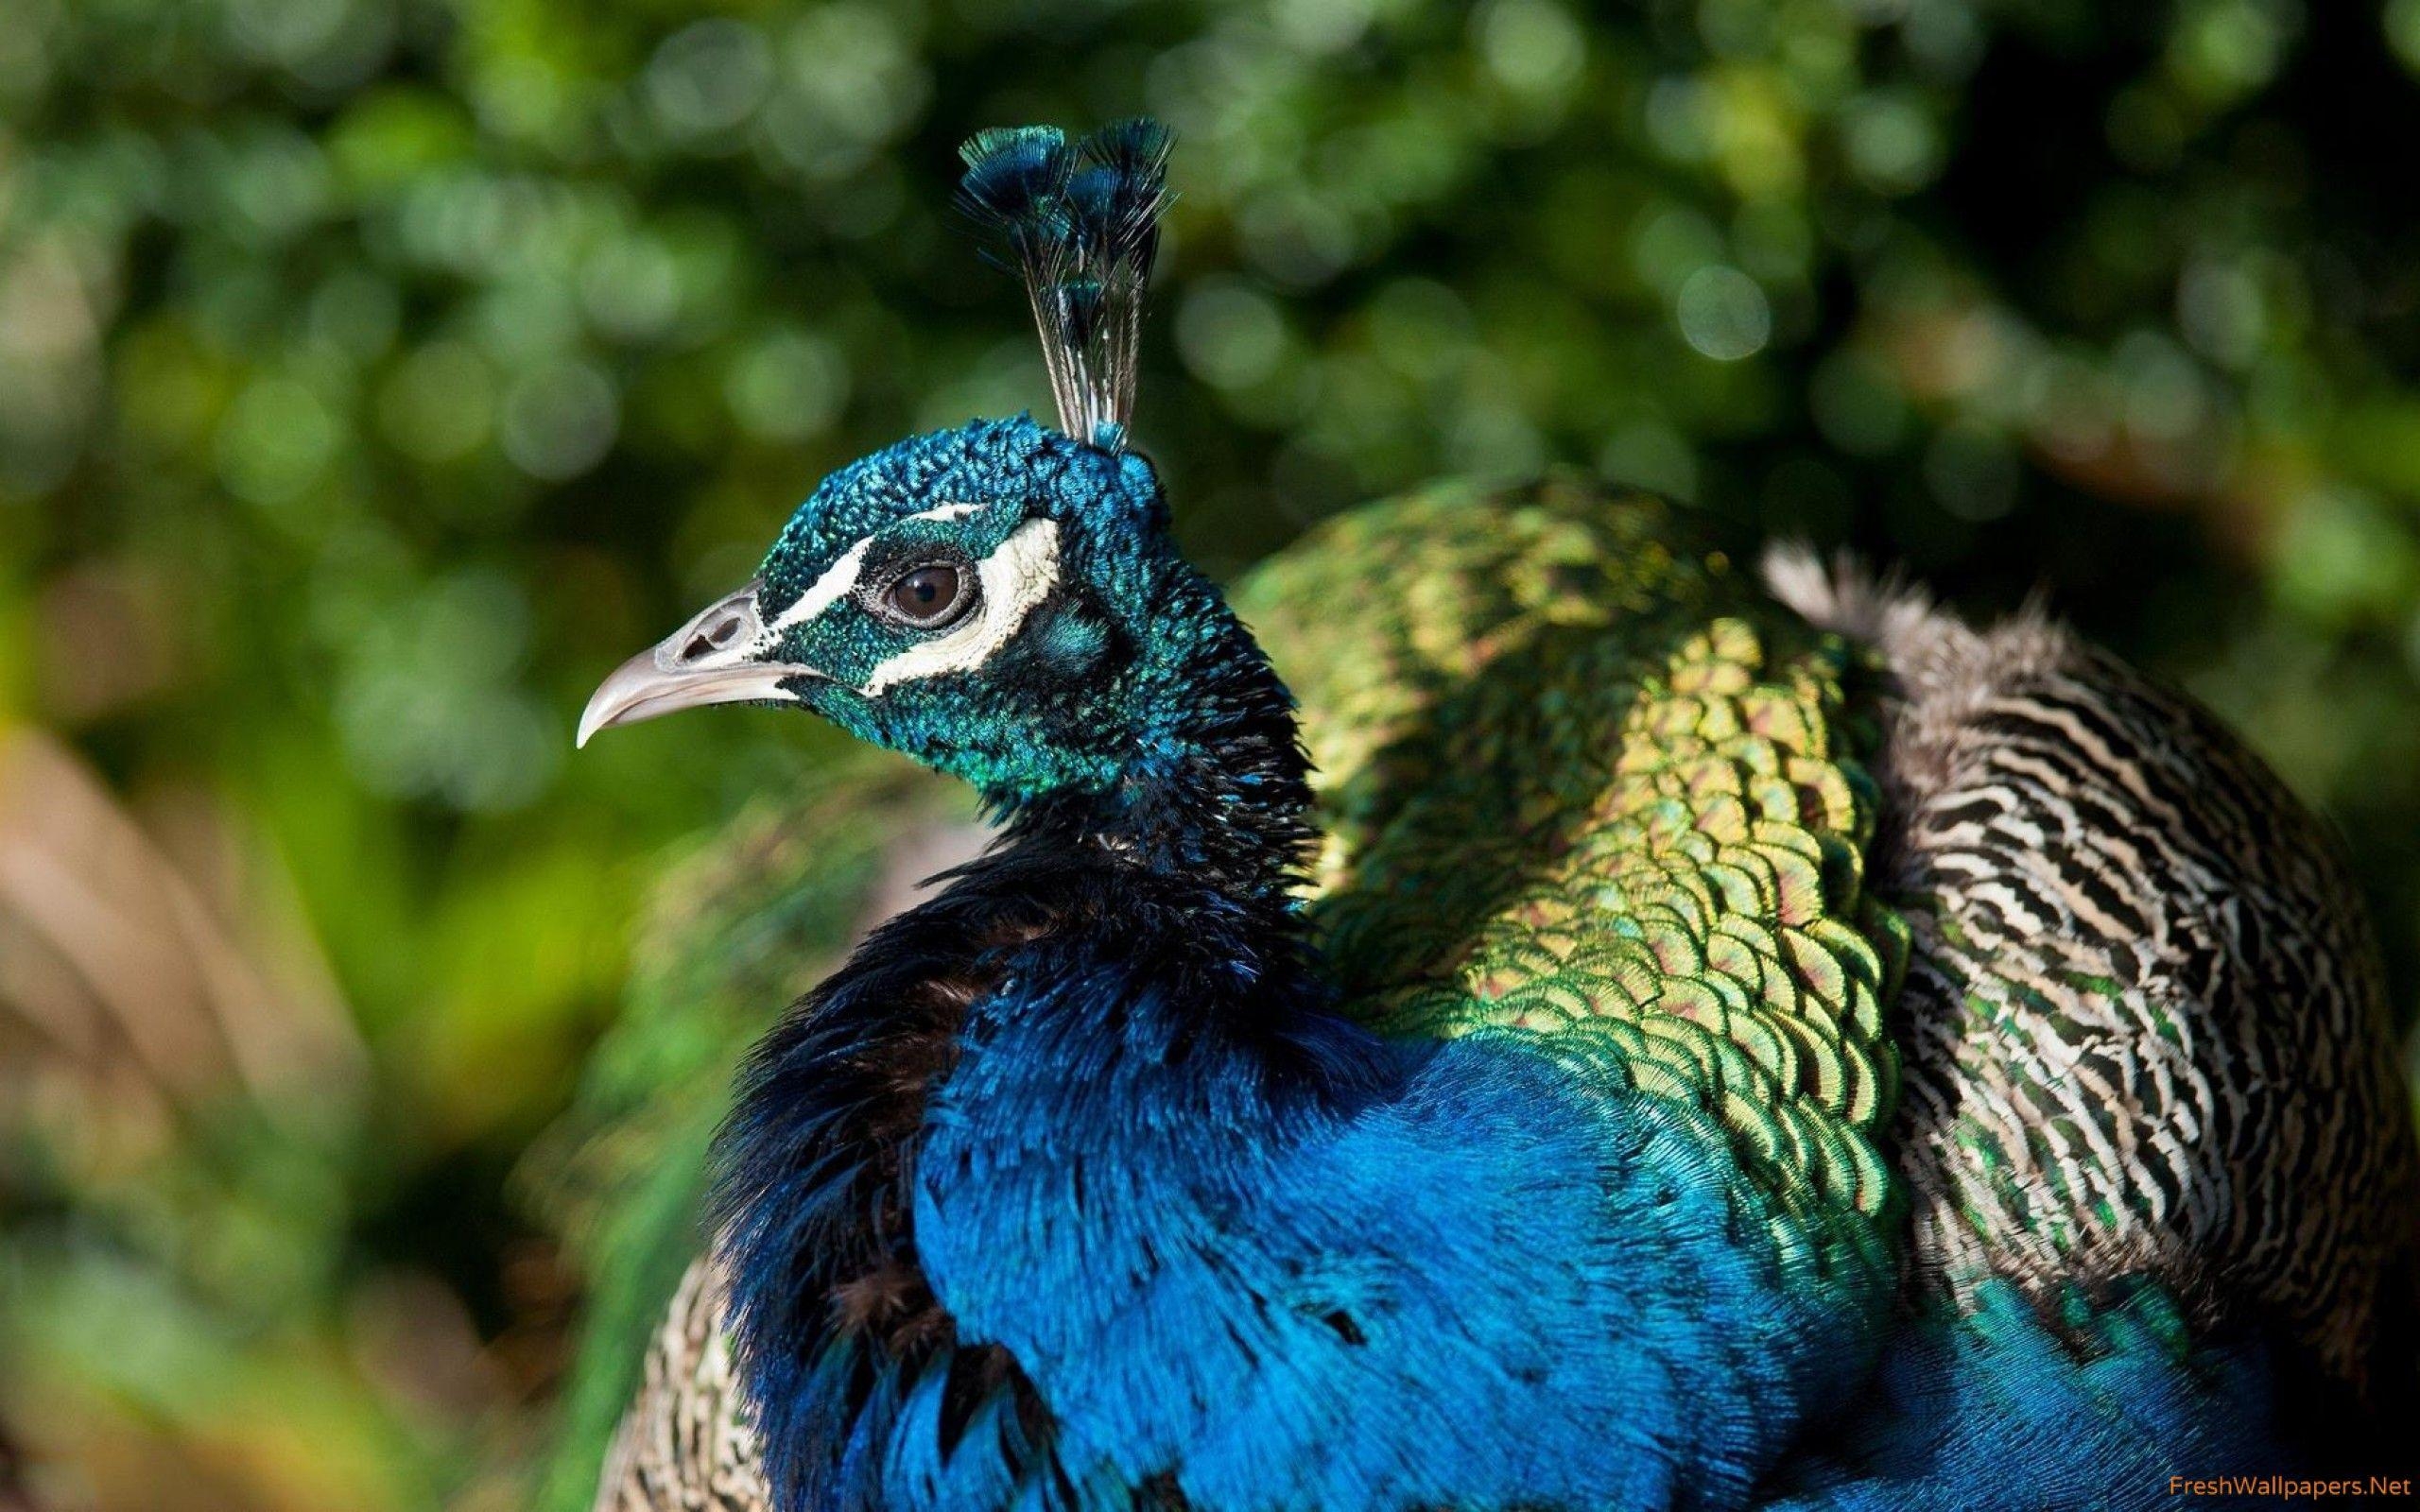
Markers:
point(1080, 225)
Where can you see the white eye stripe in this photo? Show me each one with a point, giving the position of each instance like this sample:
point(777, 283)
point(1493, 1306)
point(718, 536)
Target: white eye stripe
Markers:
point(837, 582)
point(841, 579)
point(1015, 578)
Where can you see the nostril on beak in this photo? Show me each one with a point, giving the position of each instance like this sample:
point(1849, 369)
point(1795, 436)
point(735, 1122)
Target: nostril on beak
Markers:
point(716, 636)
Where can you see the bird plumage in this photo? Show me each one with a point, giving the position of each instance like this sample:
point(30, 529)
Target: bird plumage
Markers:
point(2146, 1031)
point(745, 917)
point(1513, 1100)
point(1098, 1095)
point(1397, 687)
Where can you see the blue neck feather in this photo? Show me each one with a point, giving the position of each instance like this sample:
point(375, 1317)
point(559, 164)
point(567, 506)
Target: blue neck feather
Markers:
point(1212, 794)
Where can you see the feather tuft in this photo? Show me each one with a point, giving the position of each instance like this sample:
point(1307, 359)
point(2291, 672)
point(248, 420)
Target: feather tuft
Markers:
point(1014, 175)
point(1080, 226)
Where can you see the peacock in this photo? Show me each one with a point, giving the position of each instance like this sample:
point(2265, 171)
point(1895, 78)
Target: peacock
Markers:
point(1554, 1015)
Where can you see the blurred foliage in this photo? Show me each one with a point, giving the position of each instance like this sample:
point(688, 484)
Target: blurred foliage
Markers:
point(375, 374)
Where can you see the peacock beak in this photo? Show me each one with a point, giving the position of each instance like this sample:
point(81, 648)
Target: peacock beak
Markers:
point(712, 659)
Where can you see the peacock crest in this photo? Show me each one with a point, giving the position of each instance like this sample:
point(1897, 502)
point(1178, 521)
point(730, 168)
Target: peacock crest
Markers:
point(1078, 224)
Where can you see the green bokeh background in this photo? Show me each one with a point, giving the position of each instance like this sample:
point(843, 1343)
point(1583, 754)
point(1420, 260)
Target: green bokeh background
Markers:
point(375, 374)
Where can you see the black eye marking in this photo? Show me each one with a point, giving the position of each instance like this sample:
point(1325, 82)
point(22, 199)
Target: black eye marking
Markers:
point(928, 596)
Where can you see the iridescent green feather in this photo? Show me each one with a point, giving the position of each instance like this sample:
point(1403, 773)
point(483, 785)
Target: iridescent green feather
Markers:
point(1587, 784)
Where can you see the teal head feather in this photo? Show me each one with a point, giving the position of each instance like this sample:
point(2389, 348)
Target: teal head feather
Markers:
point(996, 600)
point(991, 599)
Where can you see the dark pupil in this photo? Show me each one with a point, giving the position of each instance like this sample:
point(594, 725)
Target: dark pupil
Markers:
point(925, 594)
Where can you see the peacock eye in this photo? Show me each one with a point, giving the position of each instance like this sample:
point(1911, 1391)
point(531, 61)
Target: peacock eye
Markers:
point(928, 596)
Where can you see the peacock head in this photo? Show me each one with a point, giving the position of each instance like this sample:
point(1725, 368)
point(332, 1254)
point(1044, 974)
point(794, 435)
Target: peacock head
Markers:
point(1000, 600)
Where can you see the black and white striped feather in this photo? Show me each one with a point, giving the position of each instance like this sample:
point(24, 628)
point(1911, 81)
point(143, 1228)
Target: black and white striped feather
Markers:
point(2144, 1028)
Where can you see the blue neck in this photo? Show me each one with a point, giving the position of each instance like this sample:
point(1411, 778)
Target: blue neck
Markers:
point(1208, 785)
point(819, 1166)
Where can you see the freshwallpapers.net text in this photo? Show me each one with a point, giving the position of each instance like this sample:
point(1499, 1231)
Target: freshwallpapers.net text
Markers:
point(2286, 1488)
